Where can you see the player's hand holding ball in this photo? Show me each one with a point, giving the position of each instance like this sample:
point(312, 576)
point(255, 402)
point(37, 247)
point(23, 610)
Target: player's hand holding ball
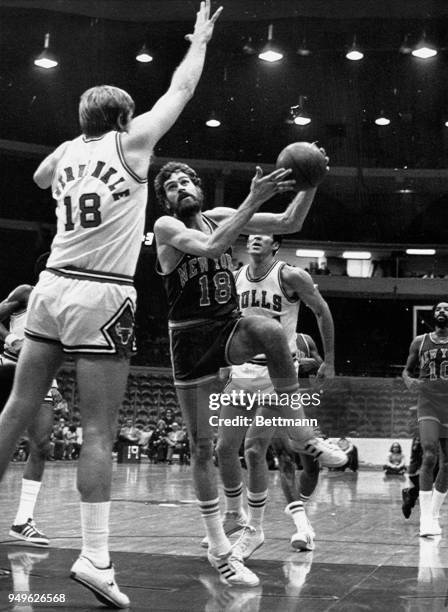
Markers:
point(264, 187)
point(308, 163)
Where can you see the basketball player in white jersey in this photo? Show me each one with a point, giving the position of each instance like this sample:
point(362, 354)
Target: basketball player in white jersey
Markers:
point(84, 302)
point(14, 308)
point(430, 353)
point(273, 289)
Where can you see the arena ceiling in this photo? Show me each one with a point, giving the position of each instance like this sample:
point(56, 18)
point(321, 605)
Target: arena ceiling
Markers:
point(96, 42)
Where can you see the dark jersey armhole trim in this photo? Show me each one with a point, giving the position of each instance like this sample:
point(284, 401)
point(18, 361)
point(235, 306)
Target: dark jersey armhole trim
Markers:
point(280, 284)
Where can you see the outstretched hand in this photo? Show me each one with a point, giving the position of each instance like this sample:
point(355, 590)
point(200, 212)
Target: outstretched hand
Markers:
point(203, 28)
point(264, 187)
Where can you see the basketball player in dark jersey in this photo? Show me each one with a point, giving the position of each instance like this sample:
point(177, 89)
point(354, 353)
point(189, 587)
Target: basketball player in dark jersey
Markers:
point(206, 331)
point(430, 353)
point(14, 308)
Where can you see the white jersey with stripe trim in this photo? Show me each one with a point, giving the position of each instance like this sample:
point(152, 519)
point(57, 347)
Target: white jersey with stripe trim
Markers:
point(266, 296)
point(100, 208)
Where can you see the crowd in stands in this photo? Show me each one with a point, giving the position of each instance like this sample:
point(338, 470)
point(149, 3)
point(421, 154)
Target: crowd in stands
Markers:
point(160, 440)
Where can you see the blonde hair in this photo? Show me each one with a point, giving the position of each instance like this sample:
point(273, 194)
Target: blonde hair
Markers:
point(104, 108)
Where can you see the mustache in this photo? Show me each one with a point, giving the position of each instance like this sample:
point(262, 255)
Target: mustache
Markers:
point(184, 195)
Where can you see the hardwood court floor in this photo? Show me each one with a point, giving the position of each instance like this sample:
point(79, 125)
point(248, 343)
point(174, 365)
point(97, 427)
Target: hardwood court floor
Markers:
point(367, 556)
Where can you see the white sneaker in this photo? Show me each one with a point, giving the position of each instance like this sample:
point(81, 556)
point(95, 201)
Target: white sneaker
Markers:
point(430, 527)
point(100, 581)
point(327, 453)
point(231, 522)
point(303, 538)
point(232, 571)
point(249, 541)
point(29, 533)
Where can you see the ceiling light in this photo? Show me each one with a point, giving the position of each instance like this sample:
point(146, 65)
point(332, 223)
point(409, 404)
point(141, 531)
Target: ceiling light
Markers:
point(405, 48)
point(424, 50)
point(297, 114)
point(144, 55)
point(356, 255)
point(248, 47)
point(310, 253)
point(420, 251)
point(301, 120)
point(382, 120)
point(271, 52)
point(213, 121)
point(354, 53)
point(46, 59)
point(303, 50)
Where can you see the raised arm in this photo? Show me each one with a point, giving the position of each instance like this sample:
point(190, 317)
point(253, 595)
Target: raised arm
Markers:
point(287, 222)
point(147, 129)
point(413, 358)
point(300, 283)
point(171, 232)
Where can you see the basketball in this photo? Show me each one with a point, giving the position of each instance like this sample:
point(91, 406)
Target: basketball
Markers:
point(307, 162)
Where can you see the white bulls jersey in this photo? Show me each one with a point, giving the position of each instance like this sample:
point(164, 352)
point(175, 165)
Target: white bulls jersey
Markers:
point(100, 208)
point(265, 296)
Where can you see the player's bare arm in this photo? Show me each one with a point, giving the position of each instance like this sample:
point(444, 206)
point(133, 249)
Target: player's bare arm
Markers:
point(173, 233)
point(410, 381)
point(299, 283)
point(44, 173)
point(146, 129)
point(315, 360)
point(288, 222)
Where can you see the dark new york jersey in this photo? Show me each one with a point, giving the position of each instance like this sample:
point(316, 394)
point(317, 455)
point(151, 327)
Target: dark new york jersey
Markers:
point(200, 287)
point(434, 364)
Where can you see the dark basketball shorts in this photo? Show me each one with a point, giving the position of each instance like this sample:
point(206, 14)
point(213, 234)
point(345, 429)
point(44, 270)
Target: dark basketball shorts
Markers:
point(434, 408)
point(7, 371)
point(199, 349)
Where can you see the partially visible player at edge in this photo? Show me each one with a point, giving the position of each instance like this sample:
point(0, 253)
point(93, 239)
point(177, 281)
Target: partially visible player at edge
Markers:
point(206, 328)
point(14, 308)
point(84, 302)
point(270, 288)
point(430, 353)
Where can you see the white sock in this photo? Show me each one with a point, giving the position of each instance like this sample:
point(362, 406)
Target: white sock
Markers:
point(425, 499)
point(234, 499)
point(296, 511)
point(217, 539)
point(28, 497)
point(437, 501)
point(95, 533)
point(257, 504)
